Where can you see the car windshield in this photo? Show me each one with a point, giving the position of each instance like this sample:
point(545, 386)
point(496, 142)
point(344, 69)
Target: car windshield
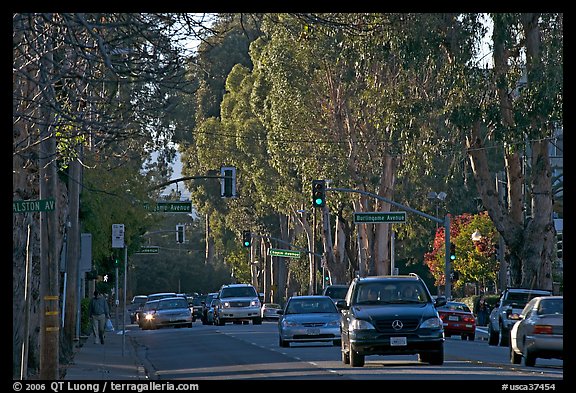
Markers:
point(336, 292)
point(551, 306)
point(398, 292)
point(238, 292)
point(455, 307)
point(309, 306)
point(518, 299)
point(172, 303)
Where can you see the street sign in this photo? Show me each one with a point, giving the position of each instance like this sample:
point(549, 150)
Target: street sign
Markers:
point(379, 217)
point(171, 207)
point(39, 205)
point(148, 250)
point(117, 235)
point(284, 253)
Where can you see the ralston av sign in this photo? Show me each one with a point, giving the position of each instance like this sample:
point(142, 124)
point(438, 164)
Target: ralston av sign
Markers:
point(39, 205)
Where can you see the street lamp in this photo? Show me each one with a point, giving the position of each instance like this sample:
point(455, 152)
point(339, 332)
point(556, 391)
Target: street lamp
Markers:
point(437, 198)
point(476, 236)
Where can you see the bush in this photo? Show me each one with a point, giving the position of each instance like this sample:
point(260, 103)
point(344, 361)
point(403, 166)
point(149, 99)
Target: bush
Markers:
point(85, 325)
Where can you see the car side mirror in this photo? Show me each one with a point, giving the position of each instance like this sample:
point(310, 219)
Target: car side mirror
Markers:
point(280, 312)
point(440, 301)
point(341, 305)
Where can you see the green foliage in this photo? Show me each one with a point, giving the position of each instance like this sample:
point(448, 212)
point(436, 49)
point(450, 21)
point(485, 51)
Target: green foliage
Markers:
point(85, 323)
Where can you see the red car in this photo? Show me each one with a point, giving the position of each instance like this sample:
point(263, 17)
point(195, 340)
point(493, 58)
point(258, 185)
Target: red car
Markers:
point(458, 320)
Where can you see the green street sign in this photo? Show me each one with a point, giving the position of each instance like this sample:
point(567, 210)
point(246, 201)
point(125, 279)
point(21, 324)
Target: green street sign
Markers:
point(171, 207)
point(39, 205)
point(284, 253)
point(379, 217)
point(148, 250)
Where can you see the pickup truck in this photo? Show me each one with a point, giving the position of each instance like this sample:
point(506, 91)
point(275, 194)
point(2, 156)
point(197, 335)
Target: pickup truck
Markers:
point(506, 313)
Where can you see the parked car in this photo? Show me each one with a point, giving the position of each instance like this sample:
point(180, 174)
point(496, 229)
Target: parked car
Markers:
point(135, 306)
point(540, 331)
point(152, 297)
point(506, 313)
point(270, 311)
point(238, 303)
point(336, 291)
point(458, 320)
point(391, 315)
point(169, 311)
point(206, 305)
point(210, 313)
point(312, 318)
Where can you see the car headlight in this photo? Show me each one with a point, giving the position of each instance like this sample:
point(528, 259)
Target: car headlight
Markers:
point(335, 323)
point(255, 303)
point(360, 324)
point(288, 323)
point(432, 323)
point(149, 317)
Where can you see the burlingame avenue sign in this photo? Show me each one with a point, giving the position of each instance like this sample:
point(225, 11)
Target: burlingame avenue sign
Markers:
point(39, 205)
point(148, 250)
point(171, 207)
point(284, 253)
point(378, 217)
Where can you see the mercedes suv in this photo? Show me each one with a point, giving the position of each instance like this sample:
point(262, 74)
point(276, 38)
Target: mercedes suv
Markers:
point(391, 315)
point(238, 303)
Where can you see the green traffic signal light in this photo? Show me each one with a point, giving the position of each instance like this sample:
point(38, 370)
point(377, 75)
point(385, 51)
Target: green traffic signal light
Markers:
point(246, 238)
point(318, 193)
point(452, 251)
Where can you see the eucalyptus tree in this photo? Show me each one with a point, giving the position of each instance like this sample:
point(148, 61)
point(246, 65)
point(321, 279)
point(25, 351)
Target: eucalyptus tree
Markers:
point(82, 82)
point(516, 105)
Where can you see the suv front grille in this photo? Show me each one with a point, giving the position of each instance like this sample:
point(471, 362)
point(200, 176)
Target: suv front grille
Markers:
point(385, 325)
point(240, 304)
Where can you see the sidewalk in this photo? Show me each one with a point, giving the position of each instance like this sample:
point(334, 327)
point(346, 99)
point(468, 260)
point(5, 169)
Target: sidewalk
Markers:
point(114, 360)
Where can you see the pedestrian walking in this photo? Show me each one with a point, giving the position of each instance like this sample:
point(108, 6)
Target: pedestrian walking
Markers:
point(99, 313)
point(482, 312)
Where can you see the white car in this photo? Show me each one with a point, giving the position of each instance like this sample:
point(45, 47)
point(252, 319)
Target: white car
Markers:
point(270, 311)
point(540, 331)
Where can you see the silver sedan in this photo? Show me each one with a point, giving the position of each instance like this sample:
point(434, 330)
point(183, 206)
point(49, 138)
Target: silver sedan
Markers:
point(312, 318)
point(540, 331)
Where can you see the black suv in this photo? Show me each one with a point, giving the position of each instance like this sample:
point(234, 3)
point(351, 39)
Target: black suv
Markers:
point(391, 315)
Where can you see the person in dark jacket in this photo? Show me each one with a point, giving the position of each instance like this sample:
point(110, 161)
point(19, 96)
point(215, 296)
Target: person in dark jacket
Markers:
point(99, 313)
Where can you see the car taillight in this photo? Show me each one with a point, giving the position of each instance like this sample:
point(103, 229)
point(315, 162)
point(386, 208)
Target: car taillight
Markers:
point(468, 319)
point(542, 329)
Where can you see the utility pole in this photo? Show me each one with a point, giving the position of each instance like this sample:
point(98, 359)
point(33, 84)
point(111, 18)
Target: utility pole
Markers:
point(49, 271)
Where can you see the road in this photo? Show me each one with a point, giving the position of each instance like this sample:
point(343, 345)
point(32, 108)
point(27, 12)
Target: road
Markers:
point(248, 352)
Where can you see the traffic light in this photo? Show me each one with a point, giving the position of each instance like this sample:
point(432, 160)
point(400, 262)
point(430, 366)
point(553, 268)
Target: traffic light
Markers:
point(246, 238)
point(318, 193)
point(452, 251)
point(116, 262)
point(180, 233)
point(228, 182)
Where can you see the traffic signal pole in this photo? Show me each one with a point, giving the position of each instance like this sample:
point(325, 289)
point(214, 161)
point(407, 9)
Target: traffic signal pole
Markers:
point(445, 221)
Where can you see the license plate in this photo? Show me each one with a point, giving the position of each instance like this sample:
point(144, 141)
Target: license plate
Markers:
point(397, 341)
point(313, 332)
point(452, 318)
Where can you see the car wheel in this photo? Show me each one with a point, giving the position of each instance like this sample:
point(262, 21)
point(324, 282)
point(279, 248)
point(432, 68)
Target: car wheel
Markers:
point(492, 335)
point(356, 360)
point(529, 358)
point(514, 357)
point(472, 337)
point(503, 336)
point(435, 358)
point(257, 321)
point(345, 355)
point(337, 343)
point(282, 343)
